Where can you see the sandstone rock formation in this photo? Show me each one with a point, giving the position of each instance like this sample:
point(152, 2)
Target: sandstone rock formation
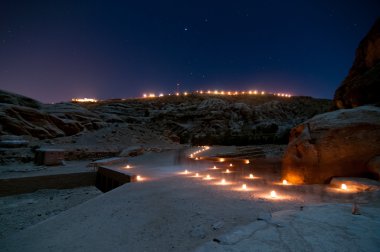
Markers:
point(196, 119)
point(20, 120)
point(15, 99)
point(335, 144)
point(362, 85)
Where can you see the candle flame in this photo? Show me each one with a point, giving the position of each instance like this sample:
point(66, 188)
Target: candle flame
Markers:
point(246, 161)
point(227, 171)
point(208, 177)
point(251, 176)
point(244, 187)
point(344, 187)
point(284, 182)
point(231, 165)
point(138, 178)
point(273, 194)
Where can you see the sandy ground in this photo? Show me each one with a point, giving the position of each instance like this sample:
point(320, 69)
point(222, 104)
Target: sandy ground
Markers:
point(173, 211)
point(18, 212)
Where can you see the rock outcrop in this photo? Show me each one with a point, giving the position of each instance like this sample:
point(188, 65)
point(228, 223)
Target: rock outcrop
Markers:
point(335, 144)
point(196, 119)
point(362, 85)
point(16, 99)
point(20, 120)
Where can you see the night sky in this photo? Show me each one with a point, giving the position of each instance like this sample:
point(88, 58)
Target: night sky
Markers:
point(55, 50)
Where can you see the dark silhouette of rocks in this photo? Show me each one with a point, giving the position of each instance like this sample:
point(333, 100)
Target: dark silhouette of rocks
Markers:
point(16, 99)
point(345, 142)
point(362, 85)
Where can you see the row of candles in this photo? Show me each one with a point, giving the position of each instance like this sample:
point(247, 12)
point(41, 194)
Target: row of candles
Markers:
point(223, 181)
point(138, 177)
point(273, 193)
point(216, 92)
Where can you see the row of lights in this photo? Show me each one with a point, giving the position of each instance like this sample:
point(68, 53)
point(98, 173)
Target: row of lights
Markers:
point(216, 92)
point(223, 181)
point(90, 100)
point(273, 193)
point(210, 92)
point(195, 153)
point(138, 177)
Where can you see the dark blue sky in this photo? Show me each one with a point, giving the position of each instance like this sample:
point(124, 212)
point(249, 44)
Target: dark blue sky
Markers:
point(56, 50)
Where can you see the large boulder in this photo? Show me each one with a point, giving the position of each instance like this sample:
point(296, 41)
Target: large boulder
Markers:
point(16, 99)
point(362, 85)
point(336, 144)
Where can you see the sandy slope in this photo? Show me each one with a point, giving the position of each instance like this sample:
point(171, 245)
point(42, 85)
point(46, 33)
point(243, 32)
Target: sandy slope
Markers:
point(170, 212)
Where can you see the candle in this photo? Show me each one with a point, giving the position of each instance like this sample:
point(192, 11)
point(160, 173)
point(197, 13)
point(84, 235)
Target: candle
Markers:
point(273, 194)
point(284, 182)
point(138, 178)
point(244, 187)
point(227, 171)
point(344, 187)
point(251, 176)
point(196, 174)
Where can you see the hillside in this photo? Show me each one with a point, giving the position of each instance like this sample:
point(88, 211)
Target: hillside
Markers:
point(196, 119)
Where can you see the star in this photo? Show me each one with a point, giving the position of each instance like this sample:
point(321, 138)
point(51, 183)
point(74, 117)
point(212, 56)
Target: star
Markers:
point(185, 29)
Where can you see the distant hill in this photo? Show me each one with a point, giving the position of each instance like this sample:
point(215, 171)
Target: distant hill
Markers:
point(196, 119)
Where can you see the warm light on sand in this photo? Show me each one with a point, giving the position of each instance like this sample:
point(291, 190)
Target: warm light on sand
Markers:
point(186, 172)
point(196, 174)
point(208, 177)
point(273, 194)
point(344, 187)
point(223, 182)
point(284, 182)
